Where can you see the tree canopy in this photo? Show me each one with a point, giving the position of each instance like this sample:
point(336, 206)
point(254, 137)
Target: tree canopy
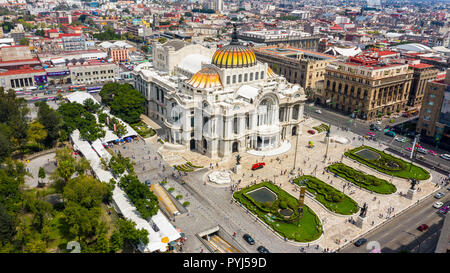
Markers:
point(125, 102)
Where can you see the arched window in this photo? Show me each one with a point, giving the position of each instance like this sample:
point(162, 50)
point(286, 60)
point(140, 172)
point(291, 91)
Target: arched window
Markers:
point(256, 75)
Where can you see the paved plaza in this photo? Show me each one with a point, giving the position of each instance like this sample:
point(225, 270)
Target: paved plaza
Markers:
point(338, 230)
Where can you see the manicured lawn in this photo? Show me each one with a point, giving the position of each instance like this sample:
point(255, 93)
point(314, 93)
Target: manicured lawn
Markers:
point(389, 164)
point(333, 199)
point(143, 129)
point(305, 229)
point(369, 182)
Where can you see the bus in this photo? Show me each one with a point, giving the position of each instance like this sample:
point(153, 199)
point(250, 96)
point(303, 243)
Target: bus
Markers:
point(77, 88)
point(94, 89)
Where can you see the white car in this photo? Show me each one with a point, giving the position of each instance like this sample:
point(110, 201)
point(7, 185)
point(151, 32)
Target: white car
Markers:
point(422, 150)
point(318, 111)
point(437, 205)
point(379, 122)
point(439, 195)
point(445, 156)
point(400, 139)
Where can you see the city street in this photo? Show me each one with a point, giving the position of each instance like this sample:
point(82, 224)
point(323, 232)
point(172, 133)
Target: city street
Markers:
point(401, 232)
point(362, 127)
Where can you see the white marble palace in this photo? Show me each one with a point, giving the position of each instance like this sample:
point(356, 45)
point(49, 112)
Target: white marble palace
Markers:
point(219, 102)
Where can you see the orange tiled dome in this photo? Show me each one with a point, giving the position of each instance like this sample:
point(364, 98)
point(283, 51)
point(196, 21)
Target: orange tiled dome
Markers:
point(232, 56)
point(205, 78)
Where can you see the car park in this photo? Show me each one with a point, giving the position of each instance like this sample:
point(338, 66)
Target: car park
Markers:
point(439, 195)
point(423, 227)
point(438, 205)
point(445, 156)
point(262, 249)
point(258, 165)
point(360, 242)
point(248, 239)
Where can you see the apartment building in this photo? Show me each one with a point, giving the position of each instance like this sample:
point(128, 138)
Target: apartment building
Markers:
point(367, 85)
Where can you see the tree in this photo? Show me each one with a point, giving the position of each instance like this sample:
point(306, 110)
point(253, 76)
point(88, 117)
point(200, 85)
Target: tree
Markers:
point(35, 246)
point(129, 233)
point(41, 173)
point(81, 221)
point(7, 226)
point(91, 106)
point(82, 165)
point(115, 241)
point(36, 132)
point(125, 101)
point(85, 191)
point(51, 121)
point(5, 145)
point(162, 40)
point(144, 200)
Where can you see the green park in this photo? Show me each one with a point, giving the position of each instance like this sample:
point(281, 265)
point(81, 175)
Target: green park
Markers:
point(386, 163)
point(279, 210)
point(363, 180)
point(333, 199)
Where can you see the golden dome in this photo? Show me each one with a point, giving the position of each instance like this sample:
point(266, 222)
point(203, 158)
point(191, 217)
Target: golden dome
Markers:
point(205, 78)
point(233, 56)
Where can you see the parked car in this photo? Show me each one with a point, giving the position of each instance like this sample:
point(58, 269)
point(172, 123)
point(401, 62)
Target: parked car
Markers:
point(312, 132)
point(372, 127)
point(258, 165)
point(318, 111)
point(422, 150)
point(390, 133)
point(437, 204)
point(378, 128)
point(370, 134)
point(439, 195)
point(431, 152)
point(262, 249)
point(423, 227)
point(444, 209)
point(378, 122)
point(147, 183)
point(445, 156)
point(400, 139)
point(248, 239)
point(360, 242)
point(408, 149)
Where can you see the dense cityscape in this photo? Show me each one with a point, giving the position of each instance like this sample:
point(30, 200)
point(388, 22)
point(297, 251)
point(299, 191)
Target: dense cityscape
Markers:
point(242, 126)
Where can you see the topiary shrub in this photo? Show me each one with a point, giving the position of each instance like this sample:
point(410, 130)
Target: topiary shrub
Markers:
point(179, 196)
point(283, 204)
point(171, 189)
point(268, 204)
point(185, 204)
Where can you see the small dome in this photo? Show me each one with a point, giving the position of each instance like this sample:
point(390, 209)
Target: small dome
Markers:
point(270, 73)
point(205, 78)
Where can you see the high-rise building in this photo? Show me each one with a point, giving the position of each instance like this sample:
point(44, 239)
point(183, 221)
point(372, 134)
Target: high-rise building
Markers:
point(218, 5)
point(422, 74)
point(434, 118)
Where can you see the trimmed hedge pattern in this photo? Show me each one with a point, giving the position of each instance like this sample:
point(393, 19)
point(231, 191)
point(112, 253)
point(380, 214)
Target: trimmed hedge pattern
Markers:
point(369, 182)
point(321, 128)
point(188, 167)
point(397, 167)
point(306, 229)
point(333, 199)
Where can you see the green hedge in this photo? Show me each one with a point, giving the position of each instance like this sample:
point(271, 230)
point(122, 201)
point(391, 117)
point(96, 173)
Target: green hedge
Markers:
point(333, 199)
point(306, 229)
point(369, 182)
point(321, 128)
point(402, 171)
